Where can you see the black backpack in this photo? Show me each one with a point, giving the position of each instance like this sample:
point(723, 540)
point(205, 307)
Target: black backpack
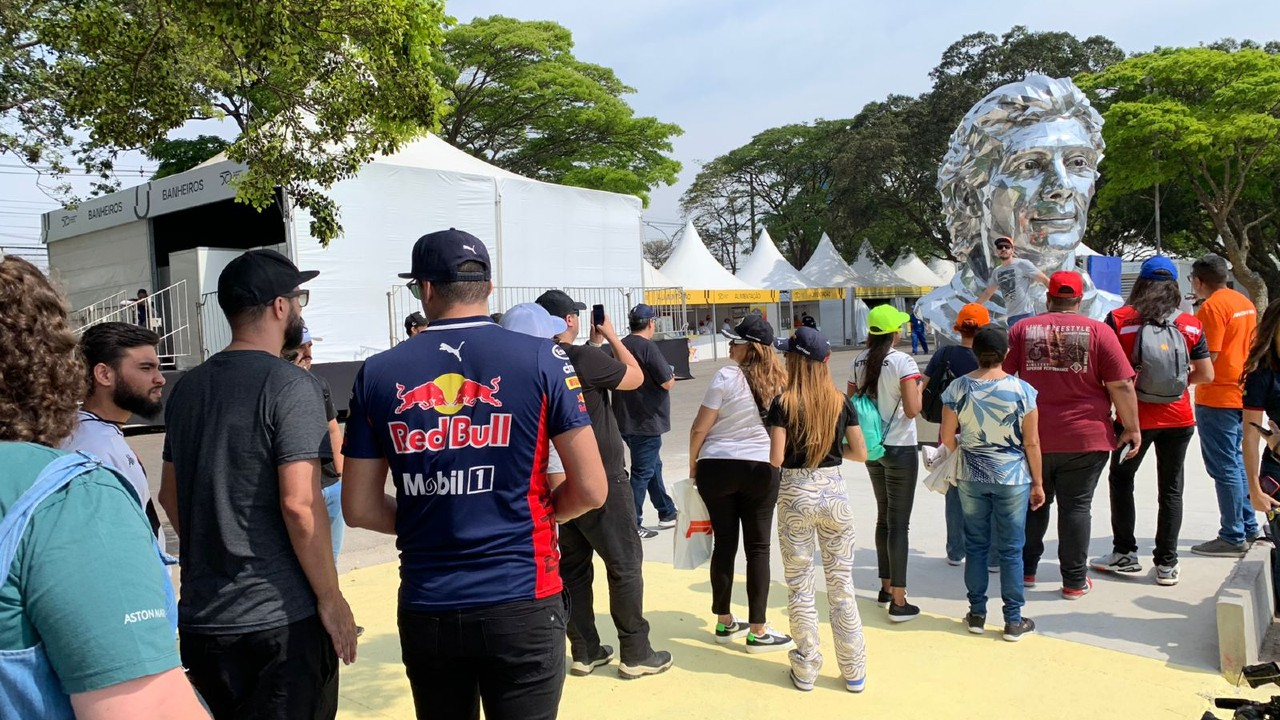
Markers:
point(931, 407)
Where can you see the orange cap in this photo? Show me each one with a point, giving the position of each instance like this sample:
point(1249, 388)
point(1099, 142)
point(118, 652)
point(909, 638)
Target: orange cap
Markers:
point(975, 312)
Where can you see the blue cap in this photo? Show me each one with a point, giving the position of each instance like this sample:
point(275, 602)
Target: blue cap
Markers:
point(1158, 268)
point(533, 319)
point(643, 312)
point(306, 336)
point(438, 256)
point(807, 342)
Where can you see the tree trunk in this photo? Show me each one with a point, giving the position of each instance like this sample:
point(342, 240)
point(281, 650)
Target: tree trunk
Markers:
point(1236, 253)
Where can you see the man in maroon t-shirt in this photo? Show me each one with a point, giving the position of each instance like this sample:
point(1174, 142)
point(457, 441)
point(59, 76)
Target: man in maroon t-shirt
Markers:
point(1076, 365)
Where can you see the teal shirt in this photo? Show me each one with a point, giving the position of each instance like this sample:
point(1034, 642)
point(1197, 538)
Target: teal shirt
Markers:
point(84, 581)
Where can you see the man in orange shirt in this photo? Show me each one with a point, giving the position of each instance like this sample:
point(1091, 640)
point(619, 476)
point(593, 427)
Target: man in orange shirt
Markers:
point(1229, 319)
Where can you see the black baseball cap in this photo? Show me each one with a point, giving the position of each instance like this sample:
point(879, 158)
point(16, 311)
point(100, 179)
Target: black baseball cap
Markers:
point(991, 339)
point(807, 342)
point(559, 304)
point(415, 319)
point(257, 278)
point(753, 328)
point(438, 255)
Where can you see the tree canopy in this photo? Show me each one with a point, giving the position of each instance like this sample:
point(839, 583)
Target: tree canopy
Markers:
point(1202, 119)
point(315, 88)
point(521, 100)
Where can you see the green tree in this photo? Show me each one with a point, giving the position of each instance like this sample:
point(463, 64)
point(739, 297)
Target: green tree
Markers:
point(522, 101)
point(1210, 118)
point(780, 180)
point(315, 88)
point(182, 154)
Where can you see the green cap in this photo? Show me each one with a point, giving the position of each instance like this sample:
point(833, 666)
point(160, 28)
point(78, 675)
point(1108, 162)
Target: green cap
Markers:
point(885, 319)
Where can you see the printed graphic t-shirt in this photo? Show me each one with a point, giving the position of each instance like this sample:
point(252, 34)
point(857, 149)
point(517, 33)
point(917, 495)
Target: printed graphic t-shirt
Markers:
point(647, 409)
point(794, 456)
point(1128, 324)
point(738, 432)
point(1068, 358)
point(85, 581)
point(1229, 319)
point(898, 366)
point(230, 424)
point(463, 413)
point(1014, 282)
point(990, 413)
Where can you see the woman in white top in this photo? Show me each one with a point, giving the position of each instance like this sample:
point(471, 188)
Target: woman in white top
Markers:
point(892, 379)
point(729, 462)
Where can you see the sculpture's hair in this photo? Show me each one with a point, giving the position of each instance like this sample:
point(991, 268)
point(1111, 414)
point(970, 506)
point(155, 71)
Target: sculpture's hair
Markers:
point(978, 140)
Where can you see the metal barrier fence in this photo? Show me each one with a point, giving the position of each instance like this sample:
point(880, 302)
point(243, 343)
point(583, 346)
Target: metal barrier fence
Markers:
point(617, 302)
point(215, 332)
point(94, 314)
point(164, 312)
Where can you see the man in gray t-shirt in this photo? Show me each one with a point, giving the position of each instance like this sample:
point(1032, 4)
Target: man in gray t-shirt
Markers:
point(1013, 278)
point(261, 620)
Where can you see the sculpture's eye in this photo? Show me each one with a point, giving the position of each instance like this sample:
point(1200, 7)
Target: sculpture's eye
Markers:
point(1030, 165)
point(1078, 163)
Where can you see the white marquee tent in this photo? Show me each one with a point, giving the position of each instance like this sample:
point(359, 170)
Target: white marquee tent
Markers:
point(767, 268)
point(873, 272)
point(912, 269)
point(826, 268)
point(692, 266)
point(943, 268)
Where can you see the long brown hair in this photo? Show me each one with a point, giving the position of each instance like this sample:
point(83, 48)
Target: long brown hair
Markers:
point(763, 372)
point(41, 373)
point(812, 405)
point(1263, 353)
point(1155, 299)
point(878, 348)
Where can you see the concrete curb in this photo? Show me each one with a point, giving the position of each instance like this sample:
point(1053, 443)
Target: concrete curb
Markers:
point(1245, 607)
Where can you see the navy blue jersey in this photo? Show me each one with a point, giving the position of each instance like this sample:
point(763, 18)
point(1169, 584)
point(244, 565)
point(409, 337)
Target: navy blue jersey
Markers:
point(463, 413)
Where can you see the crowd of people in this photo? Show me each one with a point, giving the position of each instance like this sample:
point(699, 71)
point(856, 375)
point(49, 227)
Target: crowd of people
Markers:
point(508, 445)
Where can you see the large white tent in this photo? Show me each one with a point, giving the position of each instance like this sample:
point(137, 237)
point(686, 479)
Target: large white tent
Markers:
point(826, 268)
point(766, 268)
point(873, 272)
point(692, 266)
point(943, 268)
point(653, 278)
point(912, 269)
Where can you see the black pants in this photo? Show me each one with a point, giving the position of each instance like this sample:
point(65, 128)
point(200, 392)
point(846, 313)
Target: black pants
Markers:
point(739, 492)
point(1171, 451)
point(508, 657)
point(893, 480)
point(286, 673)
point(610, 531)
point(1069, 478)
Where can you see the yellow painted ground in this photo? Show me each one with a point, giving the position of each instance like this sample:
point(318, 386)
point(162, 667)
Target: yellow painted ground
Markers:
point(928, 668)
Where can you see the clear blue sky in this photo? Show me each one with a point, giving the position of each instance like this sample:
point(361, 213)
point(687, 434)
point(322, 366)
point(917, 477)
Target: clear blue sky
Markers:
point(726, 70)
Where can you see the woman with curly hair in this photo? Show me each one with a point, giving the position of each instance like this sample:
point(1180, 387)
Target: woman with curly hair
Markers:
point(64, 653)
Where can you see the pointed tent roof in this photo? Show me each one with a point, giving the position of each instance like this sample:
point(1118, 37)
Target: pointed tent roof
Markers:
point(912, 269)
point(767, 268)
point(943, 268)
point(872, 271)
point(652, 278)
point(827, 269)
point(691, 266)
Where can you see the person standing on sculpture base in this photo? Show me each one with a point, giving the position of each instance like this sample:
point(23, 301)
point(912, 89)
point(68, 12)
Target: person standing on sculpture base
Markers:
point(1013, 278)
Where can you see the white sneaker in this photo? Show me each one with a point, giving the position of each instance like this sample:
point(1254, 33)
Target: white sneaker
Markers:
point(1118, 563)
point(1167, 574)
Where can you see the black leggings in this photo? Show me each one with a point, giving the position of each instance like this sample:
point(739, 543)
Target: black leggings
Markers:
point(739, 492)
point(893, 479)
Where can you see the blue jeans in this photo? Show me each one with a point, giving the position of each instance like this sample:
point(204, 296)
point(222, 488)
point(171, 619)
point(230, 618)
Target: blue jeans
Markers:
point(1221, 434)
point(955, 530)
point(337, 528)
point(646, 476)
point(1004, 507)
point(917, 336)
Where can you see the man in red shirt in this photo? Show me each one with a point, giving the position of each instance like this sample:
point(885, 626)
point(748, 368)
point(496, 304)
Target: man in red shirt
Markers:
point(1076, 365)
point(1229, 320)
point(1153, 306)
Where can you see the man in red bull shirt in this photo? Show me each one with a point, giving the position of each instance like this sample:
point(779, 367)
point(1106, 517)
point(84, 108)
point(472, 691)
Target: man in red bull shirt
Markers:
point(461, 415)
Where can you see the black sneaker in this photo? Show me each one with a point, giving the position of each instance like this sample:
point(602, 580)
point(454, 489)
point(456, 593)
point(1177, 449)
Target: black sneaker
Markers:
point(646, 533)
point(734, 630)
point(904, 612)
point(1013, 632)
point(977, 623)
point(666, 522)
point(884, 599)
point(770, 641)
point(583, 668)
point(658, 662)
point(1218, 547)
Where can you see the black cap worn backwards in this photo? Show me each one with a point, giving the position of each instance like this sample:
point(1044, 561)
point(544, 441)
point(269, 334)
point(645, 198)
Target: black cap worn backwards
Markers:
point(753, 328)
point(438, 257)
point(559, 304)
point(257, 278)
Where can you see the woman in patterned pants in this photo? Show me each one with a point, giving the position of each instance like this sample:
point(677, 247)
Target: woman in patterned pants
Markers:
point(812, 429)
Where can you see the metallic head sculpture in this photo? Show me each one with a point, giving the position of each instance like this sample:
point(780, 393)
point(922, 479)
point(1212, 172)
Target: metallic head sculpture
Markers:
point(1022, 164)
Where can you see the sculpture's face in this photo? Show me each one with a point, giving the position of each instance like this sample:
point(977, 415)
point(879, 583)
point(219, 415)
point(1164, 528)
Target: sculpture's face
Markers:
point(1039, 191)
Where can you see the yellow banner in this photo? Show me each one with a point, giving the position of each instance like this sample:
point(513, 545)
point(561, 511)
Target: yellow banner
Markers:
point(669, 296)
point(731, 297)
point(883, 292)
point(811, 294)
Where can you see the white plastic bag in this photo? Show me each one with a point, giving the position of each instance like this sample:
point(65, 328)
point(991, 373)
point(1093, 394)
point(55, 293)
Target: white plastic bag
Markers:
point(944, 469)
point(693, 528)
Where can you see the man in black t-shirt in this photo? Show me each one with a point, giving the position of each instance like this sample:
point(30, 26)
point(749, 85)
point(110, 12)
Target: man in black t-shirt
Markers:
point(611, 529)
point(644, 414)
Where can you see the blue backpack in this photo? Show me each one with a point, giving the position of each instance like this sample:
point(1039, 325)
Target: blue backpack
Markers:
point(873, 426)
point(28, 686)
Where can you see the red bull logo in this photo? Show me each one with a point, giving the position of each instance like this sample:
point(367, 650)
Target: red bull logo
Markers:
point(452, 433)
point(447, 394)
